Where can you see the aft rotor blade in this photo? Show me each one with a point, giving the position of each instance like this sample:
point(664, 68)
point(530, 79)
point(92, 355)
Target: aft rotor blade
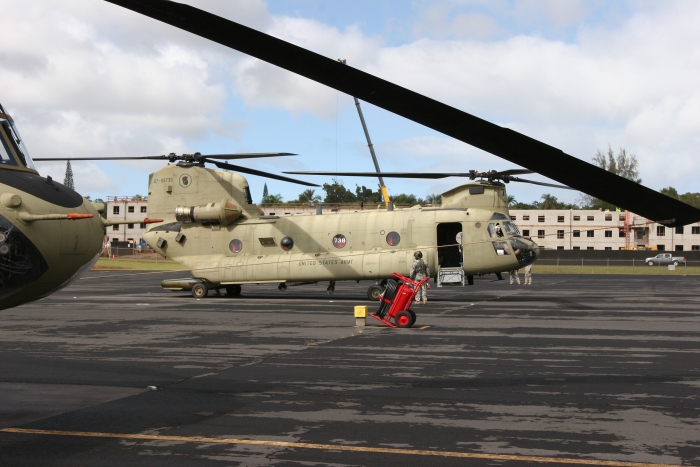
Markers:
point(522, 180)
point(385, 174)
point(502, 142)
point(251, 155)
point(505, 173)
point(246, 170)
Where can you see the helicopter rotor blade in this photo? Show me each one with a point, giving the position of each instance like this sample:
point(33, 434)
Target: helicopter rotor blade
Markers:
point(502, 142)
point(260, 173)
point(47, 159)
point(385, 174)
point(251, 155)
point(506, 173)
point(522, 180)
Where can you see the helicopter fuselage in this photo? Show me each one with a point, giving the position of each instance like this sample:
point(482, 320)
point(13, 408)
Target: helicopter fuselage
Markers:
point(247, 247)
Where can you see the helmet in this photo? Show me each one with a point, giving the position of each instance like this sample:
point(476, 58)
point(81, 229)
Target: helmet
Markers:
point(418, 255)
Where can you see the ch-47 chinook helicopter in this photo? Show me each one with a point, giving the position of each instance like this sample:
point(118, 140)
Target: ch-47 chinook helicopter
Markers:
point(211, 226)
point(49, 234)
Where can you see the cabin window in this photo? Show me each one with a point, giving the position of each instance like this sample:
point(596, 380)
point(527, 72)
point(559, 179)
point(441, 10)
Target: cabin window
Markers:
point(393, 238)
point(501, 248)
point(287, 243)
point(236, 245)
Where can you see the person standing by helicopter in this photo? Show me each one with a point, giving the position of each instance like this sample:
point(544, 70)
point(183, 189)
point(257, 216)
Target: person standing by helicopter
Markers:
point(420, 271)
point(528, 274)
point(514, 276)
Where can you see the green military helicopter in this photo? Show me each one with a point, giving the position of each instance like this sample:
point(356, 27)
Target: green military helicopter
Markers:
point(49, 234)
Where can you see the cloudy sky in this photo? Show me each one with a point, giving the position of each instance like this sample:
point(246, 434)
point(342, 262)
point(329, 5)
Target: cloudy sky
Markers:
point(87, 78)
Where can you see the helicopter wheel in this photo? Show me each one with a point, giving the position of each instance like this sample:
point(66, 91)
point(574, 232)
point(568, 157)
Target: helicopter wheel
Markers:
point(403, 319)
point(233, 290)
point(199, 291)
point(374, 292)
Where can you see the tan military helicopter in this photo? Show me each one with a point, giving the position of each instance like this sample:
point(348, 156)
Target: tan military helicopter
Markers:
point(49, 234)
point(212, 226)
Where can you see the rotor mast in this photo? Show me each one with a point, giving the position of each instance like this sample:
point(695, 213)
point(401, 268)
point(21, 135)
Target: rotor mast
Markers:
point(382, 187)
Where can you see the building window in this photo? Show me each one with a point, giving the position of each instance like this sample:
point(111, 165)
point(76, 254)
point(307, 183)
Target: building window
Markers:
point(696, 230)
point(590, 248)
point(679, 230)
point(540, 234)
point(590, 233)
point(131, 209)
point(115, 227)
point(679, 247)
point(695, 247)
point(560, 248)
point(591, 218)
point(526, 218)
point(144, 208)
point(526, 232)
point(115, 209)
point(661, 247)
point(577, 218)
point(621, 233)
point(540, 218)
point(608, 217)
point(660, 230)
point(577, 248)
point(621, 218)
point(142, 225)
point(577, 233)
point(560, 234)
point(560, 218)
point(608, 248)
point(130, 226)
point(513, 218)
point(608, 233)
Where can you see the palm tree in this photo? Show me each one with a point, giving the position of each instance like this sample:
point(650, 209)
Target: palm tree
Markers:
point(307, 196)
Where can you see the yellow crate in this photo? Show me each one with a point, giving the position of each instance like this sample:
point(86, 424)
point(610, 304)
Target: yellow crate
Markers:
point(360, 311)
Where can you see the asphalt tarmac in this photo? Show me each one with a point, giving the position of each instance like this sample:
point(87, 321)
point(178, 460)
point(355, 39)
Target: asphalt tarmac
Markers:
point(587, 370)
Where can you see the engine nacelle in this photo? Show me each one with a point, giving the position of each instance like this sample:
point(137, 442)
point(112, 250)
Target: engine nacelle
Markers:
point(222, 213)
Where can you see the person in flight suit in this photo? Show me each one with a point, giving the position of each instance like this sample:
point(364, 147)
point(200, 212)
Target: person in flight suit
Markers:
point(514, 276)
point(420, 271)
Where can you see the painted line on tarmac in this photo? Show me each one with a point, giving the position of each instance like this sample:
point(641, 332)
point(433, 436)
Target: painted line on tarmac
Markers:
point(334, 447)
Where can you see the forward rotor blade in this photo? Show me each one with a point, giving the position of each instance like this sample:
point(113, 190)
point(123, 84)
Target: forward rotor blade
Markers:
point(45, 159)
point(522, 180)
point(250, 155)
point(246, 170)
point(502, 142)
point(385, 174)
point(514, 172)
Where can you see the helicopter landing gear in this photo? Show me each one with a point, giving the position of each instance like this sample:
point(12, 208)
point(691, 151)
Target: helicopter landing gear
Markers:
point(374, 291)
point(331, 288)
point(282, 287)
point(200, 290)
point(500, 277)
point(233, 290)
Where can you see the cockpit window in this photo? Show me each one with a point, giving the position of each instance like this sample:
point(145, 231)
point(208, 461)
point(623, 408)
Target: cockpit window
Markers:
point(511, 229)
point(12, 149)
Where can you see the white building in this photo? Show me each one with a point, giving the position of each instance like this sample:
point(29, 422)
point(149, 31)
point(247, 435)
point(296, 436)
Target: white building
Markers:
point(126, 208)
point(601, 230)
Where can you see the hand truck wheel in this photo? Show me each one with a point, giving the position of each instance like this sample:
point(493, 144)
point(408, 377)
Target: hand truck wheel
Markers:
point(403, 319)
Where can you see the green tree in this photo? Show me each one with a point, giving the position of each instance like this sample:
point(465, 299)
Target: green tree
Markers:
point(68, 179)
point(689, 198)
point(307, 196)
point(337, 193)
point(624, 164)
point(273, 199)
point(404, 198)
point(265, 193)
point(366, 195)
point(434, 199)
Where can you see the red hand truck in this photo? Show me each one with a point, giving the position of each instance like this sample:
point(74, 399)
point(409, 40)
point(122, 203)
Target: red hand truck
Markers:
point(396, 301)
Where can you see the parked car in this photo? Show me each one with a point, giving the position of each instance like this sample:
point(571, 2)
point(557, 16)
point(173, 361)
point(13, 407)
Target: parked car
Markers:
point(665, 258)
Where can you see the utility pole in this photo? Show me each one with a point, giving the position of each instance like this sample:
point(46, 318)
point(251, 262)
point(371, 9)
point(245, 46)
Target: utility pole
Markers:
point(382, 186)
